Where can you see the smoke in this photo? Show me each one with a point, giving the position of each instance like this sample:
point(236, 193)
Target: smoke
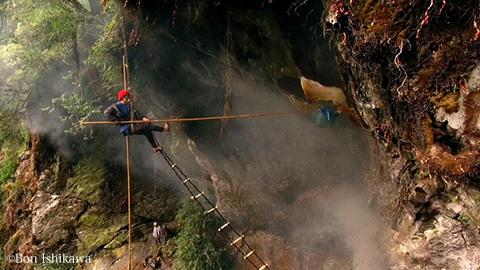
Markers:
point(293, 179)
point(345, 211)
point(286, 175)
point(315, 173)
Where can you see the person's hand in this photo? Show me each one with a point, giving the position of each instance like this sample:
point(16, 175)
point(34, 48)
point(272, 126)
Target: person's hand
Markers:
point(146, 119)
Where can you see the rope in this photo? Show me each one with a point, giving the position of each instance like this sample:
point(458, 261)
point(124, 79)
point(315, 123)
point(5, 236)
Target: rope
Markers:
point(127, 143)
point(209, 118)
point(129, 198)
point(245, 249)
point(178, 172)
point(227, 108)
point(218, 58)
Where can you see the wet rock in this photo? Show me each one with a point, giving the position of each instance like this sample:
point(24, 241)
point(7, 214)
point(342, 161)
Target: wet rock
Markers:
point(456, 208)
point(425, 189)
point(455, 120)
point(220, 185)
point(447, 244)
point(89, 180)
point(419, 196)
point(97, 227)
point(474, 79)
point(316, 92)
point(282, 255)
point(26, 173)
point(53, 220)
point(117, 259)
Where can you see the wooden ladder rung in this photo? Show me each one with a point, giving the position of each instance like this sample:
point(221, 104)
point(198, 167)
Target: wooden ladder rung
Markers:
point(174, 165)
point(224, 226)
point(236, 240)
point(211, 210)
point(263, 267)
point(248, 254)
point(186, 180)
point(197, 196)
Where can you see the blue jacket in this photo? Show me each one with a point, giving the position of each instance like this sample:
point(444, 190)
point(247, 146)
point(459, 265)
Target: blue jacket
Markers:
point(121, 112)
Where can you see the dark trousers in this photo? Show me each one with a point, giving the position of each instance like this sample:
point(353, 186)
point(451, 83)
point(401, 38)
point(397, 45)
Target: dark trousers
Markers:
point(147, 130)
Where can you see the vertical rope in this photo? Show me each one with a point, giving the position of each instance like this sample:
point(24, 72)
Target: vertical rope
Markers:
point(126, 74)
point(127, 143)
point(227, 107)
point(129, 198)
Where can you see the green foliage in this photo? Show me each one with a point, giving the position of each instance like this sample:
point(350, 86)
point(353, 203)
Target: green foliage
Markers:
point(465, 219)
point(89, 180)
point(101, 55)
point(44, 33)
point(455, 199)
point(13, 138)
point(100, 228)
point(7, 168)
point(13, 141)
point(197, 245)
point(76, 109)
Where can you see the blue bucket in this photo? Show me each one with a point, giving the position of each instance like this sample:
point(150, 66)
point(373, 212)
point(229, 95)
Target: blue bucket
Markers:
point(324, 117)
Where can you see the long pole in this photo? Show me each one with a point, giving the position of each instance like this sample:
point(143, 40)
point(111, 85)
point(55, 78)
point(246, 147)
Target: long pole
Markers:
point(250, 115)
point(127, 148)
point(129, 195)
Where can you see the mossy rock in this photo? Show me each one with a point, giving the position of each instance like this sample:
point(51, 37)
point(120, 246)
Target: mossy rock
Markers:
point(52, 266)
point(14, 242)
point(99, 228)
point(118, 241)
point(53, 221)
point(89, 180)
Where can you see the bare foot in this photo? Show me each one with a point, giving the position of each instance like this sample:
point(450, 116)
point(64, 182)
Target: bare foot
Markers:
point(157, 149)
point(166, 126)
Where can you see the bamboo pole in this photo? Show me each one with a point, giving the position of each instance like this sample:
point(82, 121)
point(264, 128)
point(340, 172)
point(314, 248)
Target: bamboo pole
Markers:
point(209, 118)
point(127, 145)
point(129, 195)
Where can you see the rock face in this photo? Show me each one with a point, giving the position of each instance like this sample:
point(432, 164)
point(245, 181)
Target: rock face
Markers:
point(55, 207)
point(411, 77)
point(411, 72)
point(53, 220)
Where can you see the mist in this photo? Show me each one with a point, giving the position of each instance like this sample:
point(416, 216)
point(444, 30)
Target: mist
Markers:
point(289, 177)
point(292, 178)
point(286, 176)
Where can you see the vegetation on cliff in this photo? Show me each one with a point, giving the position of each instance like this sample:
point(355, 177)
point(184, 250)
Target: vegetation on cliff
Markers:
point(198, 246)
point(413, 63)
point(411, 72)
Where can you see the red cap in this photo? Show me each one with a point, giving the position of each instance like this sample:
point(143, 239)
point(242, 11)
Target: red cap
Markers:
point(121, 94)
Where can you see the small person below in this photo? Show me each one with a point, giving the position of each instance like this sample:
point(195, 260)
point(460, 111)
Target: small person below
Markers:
point(121, 110)
point(156, 233)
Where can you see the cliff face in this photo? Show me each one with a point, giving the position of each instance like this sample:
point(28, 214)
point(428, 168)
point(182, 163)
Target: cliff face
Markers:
point(411, 71)
point(307, 198)
point(55, 206)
